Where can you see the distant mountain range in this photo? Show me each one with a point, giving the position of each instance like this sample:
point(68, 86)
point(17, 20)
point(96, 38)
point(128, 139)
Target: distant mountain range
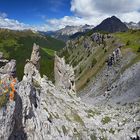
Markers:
point(111, 25)
point(70, 30)
point(65, 33)
point(133, 25)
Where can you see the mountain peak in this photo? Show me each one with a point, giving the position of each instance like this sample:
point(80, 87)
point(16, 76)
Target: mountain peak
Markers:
point(114, 17)
point(111, 25)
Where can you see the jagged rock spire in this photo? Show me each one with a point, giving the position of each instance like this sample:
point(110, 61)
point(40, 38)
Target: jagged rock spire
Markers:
point(32, 66)
point(64, 74)
point(42, 111)
point(35, 56)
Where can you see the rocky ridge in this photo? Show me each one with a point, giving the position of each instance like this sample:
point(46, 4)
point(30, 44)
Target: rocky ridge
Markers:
point(68, 31)
point(44, 111)
point(133, 25)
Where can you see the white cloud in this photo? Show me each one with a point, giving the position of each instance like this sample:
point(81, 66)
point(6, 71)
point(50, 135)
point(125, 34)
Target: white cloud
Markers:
point(4, 15)
point(82, 7)
point(117, 6)
point(127, 10)
point(54, 24)
point(11, 23)
point(98, 7)
point(85, 12)
point(94, 11)
point(131, 16)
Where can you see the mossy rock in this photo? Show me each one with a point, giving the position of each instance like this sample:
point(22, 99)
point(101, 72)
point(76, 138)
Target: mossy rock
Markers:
point(64, 130)
point(3, 100)
point(92, 113)
point(93, 137)
point(78, 119)
point(106, 120)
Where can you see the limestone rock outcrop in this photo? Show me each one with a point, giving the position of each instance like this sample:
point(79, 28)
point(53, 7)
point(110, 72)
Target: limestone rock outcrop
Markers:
point(44, 111)
point(7, 108)
point(6, 120)
point(35, 56)
point(32, 65)
point(64, 75)
point(100, 38)
point(9, 68)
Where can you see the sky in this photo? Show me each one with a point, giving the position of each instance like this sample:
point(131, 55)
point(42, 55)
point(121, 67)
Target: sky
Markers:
point(45, 15)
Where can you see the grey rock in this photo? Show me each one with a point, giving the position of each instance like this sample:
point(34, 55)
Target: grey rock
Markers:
point(35, 57)
point(32, 66)
point(64, 75)
point(44, 111)
point(9, 68)
point(6, 120)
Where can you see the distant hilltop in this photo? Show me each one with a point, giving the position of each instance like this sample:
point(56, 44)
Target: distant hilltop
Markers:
point(111, 25)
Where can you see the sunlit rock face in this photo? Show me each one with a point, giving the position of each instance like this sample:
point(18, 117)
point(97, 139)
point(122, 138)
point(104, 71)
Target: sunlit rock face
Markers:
point(44, 111)
point(32, 66)
point(9, 68)
point(35, 56)
point(6, 120)
point(64, 75)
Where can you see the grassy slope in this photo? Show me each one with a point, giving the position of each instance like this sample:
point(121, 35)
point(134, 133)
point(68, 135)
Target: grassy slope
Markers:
point(132, 41)
point(18, 45)
point(79, 58)
point(84, 58)
point(101, 57)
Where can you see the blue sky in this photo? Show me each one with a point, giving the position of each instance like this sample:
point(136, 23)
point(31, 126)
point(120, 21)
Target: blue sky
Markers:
point(55, 14)
point(35, 11)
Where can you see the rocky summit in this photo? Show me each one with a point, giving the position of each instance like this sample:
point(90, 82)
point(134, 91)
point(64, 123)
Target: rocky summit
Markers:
point(111, 25)
point(41, 110)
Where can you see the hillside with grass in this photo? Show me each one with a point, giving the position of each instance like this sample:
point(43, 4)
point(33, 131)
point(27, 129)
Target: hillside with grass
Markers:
point(18, 45)
point(88, 54)
point(131, 39)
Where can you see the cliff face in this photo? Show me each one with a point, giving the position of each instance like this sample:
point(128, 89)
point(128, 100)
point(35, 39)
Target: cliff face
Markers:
point(7, 69)
point(44, 111)
point(64, 75)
